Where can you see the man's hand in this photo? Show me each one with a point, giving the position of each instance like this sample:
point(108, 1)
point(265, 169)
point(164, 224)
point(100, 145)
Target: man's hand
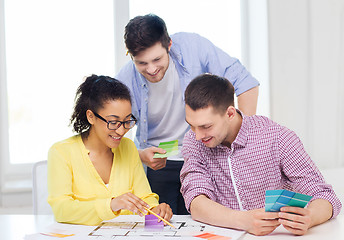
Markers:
point(296, 220)
point(259, 222)
point(256, 221)
point(147, 154)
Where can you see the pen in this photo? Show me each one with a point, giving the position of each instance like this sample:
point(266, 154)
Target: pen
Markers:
point(151, 212)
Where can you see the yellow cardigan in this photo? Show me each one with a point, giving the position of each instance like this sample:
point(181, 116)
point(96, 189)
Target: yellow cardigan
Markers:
point(78, 195)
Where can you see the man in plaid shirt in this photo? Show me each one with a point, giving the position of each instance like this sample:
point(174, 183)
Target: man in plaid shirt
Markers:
point(232, 159)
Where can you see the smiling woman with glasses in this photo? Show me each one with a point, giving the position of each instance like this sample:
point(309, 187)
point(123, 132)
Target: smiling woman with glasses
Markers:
point(97, 174)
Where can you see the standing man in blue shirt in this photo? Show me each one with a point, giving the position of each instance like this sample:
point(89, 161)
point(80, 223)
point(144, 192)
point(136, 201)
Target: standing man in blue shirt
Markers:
point(161, 68)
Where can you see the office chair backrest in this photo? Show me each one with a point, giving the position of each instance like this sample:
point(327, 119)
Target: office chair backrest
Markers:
point(40, 188)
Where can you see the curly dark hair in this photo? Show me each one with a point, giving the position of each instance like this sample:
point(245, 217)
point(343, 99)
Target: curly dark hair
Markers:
point(143, 32)
point(91, 95)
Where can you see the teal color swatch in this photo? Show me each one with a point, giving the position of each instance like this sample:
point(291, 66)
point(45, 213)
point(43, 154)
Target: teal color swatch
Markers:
point(275, 199)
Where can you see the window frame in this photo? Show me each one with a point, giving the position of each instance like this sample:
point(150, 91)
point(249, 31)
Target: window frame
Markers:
point(18, 172)
point(17, 177)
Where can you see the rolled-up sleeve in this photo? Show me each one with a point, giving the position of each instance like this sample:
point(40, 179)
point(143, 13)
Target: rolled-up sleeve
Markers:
point(302, 173)
point(220, 63)
point(194, 176)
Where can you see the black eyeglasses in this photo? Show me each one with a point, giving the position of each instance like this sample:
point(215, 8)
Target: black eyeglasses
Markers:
point(114, 125)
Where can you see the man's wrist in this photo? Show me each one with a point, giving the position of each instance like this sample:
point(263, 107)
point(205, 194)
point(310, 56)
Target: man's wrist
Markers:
point(238, 220)
point(140, 153)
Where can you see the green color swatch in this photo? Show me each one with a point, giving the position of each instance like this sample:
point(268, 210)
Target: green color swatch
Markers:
point(170, 147)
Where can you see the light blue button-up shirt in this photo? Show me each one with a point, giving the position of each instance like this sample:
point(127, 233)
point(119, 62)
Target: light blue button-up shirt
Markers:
point(192, 55)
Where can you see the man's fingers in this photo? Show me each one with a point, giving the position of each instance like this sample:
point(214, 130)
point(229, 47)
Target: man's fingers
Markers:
point(158, 163)
point(291, 217)
point(269, 223)
point(297, 210)
point(294, 227)
point(294, 219)
point(263, 230)
point(158, 150)
point(268, 215)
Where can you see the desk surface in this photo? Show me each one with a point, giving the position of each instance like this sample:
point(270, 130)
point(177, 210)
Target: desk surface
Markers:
point(17, 226)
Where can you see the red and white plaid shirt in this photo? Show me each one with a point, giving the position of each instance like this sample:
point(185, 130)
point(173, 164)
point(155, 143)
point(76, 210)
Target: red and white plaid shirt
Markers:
point(264, 156)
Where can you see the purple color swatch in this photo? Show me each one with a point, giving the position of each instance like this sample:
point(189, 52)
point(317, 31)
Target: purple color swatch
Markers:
point(151, 221)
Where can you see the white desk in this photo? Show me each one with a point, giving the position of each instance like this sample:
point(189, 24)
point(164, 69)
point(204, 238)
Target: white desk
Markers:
point(13, 227)
point(333, 229)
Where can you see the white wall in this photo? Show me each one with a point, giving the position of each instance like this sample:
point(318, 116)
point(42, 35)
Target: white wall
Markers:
point(305, 45)
point(255, 48)
point(306, 57)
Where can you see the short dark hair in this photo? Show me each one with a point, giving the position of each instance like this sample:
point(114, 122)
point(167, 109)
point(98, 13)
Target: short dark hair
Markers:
point(92, 94)
point(143, 32)
point(209, 90)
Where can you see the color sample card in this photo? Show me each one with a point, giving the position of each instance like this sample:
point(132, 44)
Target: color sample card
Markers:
point(275, 199)
point(170, 147)
point(211, 236)
point(151, 221)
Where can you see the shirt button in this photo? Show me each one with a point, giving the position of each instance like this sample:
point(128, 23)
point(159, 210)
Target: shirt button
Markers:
point(144, 120)
point(144, 141)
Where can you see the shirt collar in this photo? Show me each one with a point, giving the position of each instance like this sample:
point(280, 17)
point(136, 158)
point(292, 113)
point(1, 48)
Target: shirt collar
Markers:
point(241, 138)
point(176, 56)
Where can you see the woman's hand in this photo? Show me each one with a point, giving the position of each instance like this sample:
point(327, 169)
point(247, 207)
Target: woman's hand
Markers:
point(164, 210)
point(130, 202)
